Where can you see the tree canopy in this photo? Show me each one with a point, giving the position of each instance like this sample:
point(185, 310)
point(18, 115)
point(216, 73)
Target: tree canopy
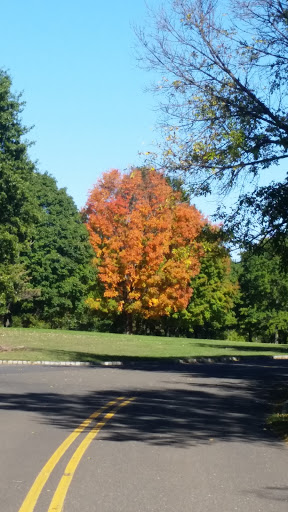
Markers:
point(45, 254)
point(211, 308)
point(224, 88)
point(263, 309)
point(58, 261)
point(159, 265)
point(18, 210)
point(145, 243)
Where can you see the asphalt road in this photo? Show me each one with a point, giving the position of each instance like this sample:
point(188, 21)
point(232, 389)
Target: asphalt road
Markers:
point(180, 438)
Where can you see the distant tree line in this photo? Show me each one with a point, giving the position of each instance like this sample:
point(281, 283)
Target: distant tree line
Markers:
point(139, 258)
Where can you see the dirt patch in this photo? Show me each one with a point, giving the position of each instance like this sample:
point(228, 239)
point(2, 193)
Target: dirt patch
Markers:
point(5, 348)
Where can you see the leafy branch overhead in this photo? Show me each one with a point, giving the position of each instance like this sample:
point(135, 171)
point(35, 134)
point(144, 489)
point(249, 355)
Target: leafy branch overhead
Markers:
point(224, 80)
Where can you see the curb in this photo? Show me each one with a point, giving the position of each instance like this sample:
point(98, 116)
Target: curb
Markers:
point(193, 360)
point(227, 359)
point(196, 360)
point(59, 363)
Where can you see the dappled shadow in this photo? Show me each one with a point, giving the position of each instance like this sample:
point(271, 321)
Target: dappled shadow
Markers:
point(207, 403)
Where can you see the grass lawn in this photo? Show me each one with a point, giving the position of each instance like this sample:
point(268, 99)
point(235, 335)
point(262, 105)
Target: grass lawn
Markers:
point(278, 422)
point(58, 345)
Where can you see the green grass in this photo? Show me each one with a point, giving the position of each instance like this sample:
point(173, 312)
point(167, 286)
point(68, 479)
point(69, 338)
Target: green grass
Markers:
point(58, 345)
point(278, 422)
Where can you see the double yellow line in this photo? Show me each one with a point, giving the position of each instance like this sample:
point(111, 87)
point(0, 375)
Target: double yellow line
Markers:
point(64, 483)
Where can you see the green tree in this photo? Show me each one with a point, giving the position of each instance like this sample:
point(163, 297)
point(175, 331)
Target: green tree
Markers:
point(45, 255)
point(18, 210)
point(210, 311)
point(263, 310)
point(224, 83)
point(59, 259)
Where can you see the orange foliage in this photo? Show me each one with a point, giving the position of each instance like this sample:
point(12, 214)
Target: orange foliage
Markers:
point(145, 245)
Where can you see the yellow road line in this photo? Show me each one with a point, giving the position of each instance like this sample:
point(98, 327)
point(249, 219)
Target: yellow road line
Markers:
point(34, 492)
point(57, 501)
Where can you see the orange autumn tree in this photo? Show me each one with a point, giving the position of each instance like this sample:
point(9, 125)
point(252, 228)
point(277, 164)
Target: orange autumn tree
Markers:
point(145, 243)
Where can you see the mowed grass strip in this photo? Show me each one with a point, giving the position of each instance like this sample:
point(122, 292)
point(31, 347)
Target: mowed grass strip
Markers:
point(60, 345)
point(278, 422)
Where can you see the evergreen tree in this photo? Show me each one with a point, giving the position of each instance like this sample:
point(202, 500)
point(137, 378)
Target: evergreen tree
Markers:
point(18, 210)
point(44, 250)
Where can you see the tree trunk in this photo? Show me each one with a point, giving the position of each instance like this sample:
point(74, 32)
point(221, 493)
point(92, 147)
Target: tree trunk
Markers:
point(7, 320)
point(129, 323)
point(276, 337)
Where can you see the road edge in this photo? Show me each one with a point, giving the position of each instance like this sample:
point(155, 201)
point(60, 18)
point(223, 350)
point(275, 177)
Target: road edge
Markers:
point(194, 360)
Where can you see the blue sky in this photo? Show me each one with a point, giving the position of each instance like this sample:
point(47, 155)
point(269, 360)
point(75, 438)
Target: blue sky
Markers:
point(75, 63)
point(83, 89)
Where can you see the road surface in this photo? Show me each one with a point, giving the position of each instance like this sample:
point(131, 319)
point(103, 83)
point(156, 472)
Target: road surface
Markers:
point(141, 439)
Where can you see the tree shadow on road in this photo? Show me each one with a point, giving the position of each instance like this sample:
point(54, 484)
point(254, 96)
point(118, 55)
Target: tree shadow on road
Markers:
point(204, 404)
